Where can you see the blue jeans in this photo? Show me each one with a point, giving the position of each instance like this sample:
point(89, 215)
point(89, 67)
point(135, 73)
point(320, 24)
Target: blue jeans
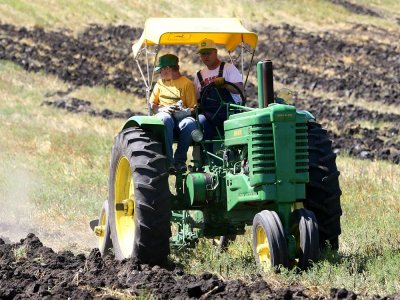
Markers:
point(209, 131)
point(184, 128)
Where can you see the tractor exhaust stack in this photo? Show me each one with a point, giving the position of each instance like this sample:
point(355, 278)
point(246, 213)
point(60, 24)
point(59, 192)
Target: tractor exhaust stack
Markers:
point(265, 83)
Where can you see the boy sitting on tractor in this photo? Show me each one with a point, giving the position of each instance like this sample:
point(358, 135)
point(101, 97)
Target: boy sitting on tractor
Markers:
point(169, 92)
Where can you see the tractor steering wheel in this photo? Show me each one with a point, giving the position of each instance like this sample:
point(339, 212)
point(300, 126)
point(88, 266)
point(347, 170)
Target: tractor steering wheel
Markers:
point(218, 98)
point(212, 85)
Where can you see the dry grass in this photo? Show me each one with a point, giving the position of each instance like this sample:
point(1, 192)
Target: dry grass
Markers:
point(310, 14)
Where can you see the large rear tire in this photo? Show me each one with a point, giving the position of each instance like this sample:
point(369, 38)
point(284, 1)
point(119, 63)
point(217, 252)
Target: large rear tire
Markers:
point(269, 242)
point(323, 191)
point(139, 198)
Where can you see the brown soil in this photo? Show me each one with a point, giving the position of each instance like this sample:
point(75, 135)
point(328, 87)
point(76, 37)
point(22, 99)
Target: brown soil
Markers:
point(29, 270)
point(41, 273)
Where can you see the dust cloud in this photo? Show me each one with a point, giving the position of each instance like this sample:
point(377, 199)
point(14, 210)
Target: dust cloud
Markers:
point(20, 215)
point(16, 207)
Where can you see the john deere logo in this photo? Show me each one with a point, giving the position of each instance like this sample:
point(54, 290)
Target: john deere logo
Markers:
point(237, 132)
point(203, 44)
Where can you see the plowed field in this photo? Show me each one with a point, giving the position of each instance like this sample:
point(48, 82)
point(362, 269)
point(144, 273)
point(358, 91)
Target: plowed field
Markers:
point(349, 79)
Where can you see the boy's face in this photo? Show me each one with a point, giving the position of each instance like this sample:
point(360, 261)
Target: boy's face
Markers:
point(166, 73)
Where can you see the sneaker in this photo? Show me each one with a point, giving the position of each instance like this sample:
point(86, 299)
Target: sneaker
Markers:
point(180, 167)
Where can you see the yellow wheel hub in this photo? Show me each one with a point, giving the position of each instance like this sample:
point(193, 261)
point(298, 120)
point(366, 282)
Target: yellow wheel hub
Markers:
point(124, 197)
point(128, 207)
point(262, 248)
point(99, 231)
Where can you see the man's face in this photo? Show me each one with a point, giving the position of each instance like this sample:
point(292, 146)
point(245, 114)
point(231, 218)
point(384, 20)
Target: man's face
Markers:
point(209, 57)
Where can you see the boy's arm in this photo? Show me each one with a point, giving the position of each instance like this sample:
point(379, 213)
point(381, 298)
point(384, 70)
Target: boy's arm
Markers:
point(154, 98)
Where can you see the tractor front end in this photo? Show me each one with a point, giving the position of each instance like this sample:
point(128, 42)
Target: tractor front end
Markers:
point(273, 168)
point(274, 163)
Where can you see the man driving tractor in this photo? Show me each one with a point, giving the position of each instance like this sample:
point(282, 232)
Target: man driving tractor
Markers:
point(217, 72)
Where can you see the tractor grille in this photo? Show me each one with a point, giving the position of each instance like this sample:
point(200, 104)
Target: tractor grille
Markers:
point(262, 152)
point(301, 148)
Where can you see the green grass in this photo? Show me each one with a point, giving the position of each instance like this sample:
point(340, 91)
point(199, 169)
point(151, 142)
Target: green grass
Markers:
point(20, 253)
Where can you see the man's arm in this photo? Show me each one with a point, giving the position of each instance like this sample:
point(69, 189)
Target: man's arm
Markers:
point(197, 86)
point(233, 75)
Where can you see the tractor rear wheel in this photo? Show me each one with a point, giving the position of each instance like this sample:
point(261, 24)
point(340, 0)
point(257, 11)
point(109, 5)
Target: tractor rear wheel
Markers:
point(139, 198)
point(105, 243)
point(323, 191)
point(305, 230)
point(269, 242)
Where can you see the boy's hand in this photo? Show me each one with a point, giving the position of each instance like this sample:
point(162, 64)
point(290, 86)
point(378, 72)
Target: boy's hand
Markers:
point(167, 109)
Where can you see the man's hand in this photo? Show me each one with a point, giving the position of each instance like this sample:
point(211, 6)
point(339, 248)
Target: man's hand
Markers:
point(219, 82)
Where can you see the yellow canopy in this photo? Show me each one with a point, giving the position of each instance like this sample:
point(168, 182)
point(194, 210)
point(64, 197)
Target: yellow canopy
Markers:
point(228, 32)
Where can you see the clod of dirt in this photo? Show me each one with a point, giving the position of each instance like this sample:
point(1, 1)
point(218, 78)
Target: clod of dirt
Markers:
point(342, 294)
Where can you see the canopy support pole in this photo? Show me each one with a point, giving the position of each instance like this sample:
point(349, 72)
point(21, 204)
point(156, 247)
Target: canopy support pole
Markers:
point(148, 80)
point(242, 58)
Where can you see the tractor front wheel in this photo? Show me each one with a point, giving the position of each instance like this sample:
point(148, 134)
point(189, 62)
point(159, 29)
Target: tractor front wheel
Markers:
point(269, 242)
point(305, 230)
point(139, 198)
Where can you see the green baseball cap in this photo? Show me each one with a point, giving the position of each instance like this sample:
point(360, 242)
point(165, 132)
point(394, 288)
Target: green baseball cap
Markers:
point(167, 60)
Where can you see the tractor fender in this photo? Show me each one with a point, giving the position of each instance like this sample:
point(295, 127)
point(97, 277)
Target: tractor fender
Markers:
point(149, 124)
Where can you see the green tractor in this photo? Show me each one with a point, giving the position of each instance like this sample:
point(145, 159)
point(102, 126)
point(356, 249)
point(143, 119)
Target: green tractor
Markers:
point(272, 168)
